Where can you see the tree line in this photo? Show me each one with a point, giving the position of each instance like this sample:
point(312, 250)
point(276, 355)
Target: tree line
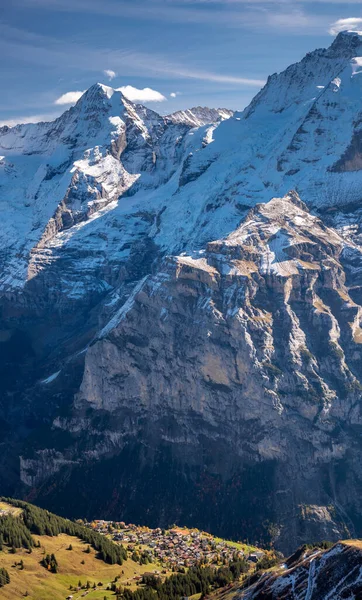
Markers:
point(197, 580)
point(14, 533)
point(42, 522)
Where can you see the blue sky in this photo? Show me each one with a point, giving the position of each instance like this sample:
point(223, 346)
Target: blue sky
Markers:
point(203, 52)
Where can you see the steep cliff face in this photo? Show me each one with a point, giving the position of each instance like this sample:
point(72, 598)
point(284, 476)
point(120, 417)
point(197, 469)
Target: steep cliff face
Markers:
point(274, 317)
point(168, 329)
point(251, 347)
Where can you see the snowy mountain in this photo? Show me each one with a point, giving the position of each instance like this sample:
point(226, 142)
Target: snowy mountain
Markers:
point(55, 176)
point(296, 134)
point(171, 312)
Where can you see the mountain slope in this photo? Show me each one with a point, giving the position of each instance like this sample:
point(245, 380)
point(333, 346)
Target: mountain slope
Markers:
point(198, 116)
point(314, 575)
point(252, 345)
point(154, 330)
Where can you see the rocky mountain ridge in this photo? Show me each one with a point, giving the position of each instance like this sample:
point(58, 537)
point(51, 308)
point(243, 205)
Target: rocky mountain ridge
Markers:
point(200, 115)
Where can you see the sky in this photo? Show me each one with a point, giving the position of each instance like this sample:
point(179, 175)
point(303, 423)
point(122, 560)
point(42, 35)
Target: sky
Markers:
point(167, 54)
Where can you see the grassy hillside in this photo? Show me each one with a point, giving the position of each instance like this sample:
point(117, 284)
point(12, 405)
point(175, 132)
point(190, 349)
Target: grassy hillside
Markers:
point(51, 558)
point(13, 510)
point(28, 578)
point(43, 585)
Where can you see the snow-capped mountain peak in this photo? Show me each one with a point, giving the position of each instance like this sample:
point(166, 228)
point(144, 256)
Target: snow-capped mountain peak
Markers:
point(303, 81)
point(98, 91)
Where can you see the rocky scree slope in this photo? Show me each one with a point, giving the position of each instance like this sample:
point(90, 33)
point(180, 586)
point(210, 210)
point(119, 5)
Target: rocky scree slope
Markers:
point(248, 389)
point(313, 575)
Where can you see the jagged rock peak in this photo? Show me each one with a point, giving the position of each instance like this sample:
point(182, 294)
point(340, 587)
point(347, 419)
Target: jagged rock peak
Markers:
point(100, 97)
point(346, 44)
point(288, 212)
point(291, 197)
point(98, 91)
point(280, 237)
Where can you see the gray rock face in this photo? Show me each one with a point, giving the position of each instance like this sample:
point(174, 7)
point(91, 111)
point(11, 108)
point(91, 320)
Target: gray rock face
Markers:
point(253, 344)
point(262, 299)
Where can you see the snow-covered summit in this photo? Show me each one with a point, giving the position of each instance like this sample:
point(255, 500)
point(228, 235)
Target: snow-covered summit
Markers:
point(303, 81)
point(191, 175)
point(55, 175)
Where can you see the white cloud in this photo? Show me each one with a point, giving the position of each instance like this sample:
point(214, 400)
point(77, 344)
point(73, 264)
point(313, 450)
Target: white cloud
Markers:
point(145, 95)
point(110, 74)
point(173, 94)
point(350, 24)
point(22, 120)
point(69, 98)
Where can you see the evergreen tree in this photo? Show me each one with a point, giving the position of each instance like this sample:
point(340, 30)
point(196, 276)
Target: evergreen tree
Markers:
point(50, 563)
point(14, 533)
point(4, 577)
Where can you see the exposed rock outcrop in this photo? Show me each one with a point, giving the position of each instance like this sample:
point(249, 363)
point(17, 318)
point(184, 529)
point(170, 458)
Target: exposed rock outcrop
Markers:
point(317, 575)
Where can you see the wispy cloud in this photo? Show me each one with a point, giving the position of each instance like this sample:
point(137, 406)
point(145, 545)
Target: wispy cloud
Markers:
point(145, 95)
point(50, 52)
point(350, 24)
point(29, 119)
point(110, 74)
point(233, 14)
point(69, 98)
point(215, 77)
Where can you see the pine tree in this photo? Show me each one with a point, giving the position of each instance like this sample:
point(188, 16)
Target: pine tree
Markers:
point(4, 577)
